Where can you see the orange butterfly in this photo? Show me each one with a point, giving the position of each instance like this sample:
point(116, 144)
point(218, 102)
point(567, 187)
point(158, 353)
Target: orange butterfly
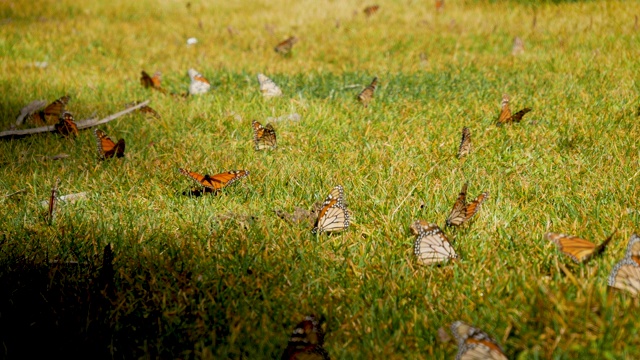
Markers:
point(264, 137)
point(333, 216)
point(66, 126)
point(151, 81)
point(475, 344)
point(370, 10)
point(199, 85)
point(51, 113)
point(579, 250)
point(218, 181)
point(462, 211)
point(285, 47)
point(367, 94)
point(505, 115)
point(106, 147)
point(306, 341)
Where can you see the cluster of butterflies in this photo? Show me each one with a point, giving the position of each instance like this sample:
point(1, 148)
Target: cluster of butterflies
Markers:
point(307, 342)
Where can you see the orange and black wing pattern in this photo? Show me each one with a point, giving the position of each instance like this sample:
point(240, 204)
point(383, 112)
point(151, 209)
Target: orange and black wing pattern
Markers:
point(578, 249)
point(264, 137)
point(475, 344)
point(505, 114)
point(216, 182)
point(306, 341)
point(285, 46)
point(106, 147)
point(370, 10)
point(333, 216)
point(153, 82)
point(66, 126)
point(463, 211)
point(366, 95)
point(50, 114)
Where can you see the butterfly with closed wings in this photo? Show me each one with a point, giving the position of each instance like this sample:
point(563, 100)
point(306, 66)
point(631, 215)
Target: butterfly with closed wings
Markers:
point(66, 126)
point(51, 113)
point(578, 249)
point(505, 114)
point(306, 341)
point(284, 48)
point(264, 137)
point(333, 216)
point(432, 246)
point(216, 182)
point(106, 147)
point(268, 88)
point(370, 10)
point(153, 82)
point(475, 344)
point(463, 211)
point(198, 85)
point(626, 273)
point(465, 143)
point(366, 95)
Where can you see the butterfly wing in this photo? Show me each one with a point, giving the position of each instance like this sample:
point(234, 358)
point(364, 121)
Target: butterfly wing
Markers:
point(626, 276)
point(432, 246)
point(475, 344)
point(227, 178)
point(106, 146)
point(66, 126)
point(473, 207)
point(306, 341)
point(458, 213)
point(465, 143)
point(264, 137)
point(333, 217)
point(285, 46)
point(367, 94)
point(633, 249)
point(505, 113)
point(199, 85)
point(51, 113)
point(268, 88)
point(578, 249)
point(518, 116)
point(370, 10)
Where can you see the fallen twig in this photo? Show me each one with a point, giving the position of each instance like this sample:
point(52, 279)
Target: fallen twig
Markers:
point(84, 124)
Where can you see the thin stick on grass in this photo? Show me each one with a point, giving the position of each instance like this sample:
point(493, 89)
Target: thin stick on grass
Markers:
point(84, 124)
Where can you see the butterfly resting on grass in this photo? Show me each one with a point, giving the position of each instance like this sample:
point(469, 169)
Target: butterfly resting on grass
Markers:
point(626, 273)
point(51, 113)
point(306, 341)
point(505, 115)
point(366, 95)
point(66, 126)
point(463, 211)
point(264, 137)
point(431, 245)
point(199, 85)
point(465, 143)
point(216, 182)
point(578, 249)
point(106, 147)
point(475, 344)
point(284, 48)
point(333, 216)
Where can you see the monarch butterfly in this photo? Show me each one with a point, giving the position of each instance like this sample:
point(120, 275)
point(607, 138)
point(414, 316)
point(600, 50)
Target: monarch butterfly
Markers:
point(66, 126)
point(52, 200)
point(151, 81)
point(518, 46)
point(264, 137)
point(462, 211)
point(633, 249)
point(505, 115)
point(106, 147)
point(579, 250)
point(285, 46)
point(418, 226)
point(267, 87)
point(51, 113)
point(432, 246)
point(199, 85)
point(439, 5)
point(370, 10)
point(626, 276)
point(366, 95)
point(306, 341)
point(218, 181)
point(333, 216)
point(474, 343)
point(465, 143)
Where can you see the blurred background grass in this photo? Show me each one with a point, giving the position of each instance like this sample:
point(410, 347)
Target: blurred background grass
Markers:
point(192, 283)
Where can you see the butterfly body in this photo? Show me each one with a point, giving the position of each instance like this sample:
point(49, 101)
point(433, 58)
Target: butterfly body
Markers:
point(268, 88)
point(66, 126)
point(366, 95)
point(432, 246)
point(465, 143)
point(51, 113)
point(463, 211)
point(306, 341)
point(505, 114)
point(199, 85)
point(475, 344)
point(216, 182)
point(578, 249)
point(106, 147)
point(264, 137)
point(285, 46)
point(333, 216)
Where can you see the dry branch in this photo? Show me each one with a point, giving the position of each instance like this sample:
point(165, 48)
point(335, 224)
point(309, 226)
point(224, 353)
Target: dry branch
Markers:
point(83, 124)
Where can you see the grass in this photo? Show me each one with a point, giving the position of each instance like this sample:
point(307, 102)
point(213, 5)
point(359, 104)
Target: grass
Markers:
point(189, 284)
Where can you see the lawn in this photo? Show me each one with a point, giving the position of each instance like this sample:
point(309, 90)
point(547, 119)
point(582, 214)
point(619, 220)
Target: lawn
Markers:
point(221, 276)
